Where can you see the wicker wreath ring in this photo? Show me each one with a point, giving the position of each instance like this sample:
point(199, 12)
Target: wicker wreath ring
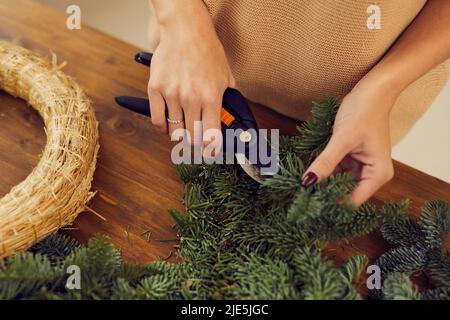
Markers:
point(58, 188)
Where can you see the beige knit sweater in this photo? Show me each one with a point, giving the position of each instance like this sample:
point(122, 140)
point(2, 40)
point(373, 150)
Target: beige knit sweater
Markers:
point(285, 54)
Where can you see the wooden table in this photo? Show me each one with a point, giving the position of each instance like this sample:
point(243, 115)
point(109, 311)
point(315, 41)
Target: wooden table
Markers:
point(135, 179)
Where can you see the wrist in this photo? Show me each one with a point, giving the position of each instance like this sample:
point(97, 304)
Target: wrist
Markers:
point(385, 78)
point(177, 12)
point(381, 86)
point(185, 22)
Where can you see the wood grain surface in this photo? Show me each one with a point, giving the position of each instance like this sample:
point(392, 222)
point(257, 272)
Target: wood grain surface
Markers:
point(135, 179)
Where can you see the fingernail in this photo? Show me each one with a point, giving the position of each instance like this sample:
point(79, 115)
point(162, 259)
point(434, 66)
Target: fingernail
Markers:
point(310, 179)
point(144, 58)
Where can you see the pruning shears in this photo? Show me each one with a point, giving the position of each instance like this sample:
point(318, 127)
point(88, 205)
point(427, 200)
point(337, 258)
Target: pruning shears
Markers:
point(235, 115)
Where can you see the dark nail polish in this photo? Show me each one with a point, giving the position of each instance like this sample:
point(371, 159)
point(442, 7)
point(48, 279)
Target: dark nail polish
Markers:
point(144, 58)
point(310, 179)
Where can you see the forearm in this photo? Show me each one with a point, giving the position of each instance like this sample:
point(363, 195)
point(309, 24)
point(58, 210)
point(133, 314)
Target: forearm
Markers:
point(168, 11)
point(423, 45)
point(190, 72)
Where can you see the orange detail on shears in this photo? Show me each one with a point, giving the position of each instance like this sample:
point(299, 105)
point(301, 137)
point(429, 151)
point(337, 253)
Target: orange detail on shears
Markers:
point(226, 117)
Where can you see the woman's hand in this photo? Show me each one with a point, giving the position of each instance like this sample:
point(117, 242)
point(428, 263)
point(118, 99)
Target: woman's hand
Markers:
point(360, 142)
point(189, 71)
point(360, 137)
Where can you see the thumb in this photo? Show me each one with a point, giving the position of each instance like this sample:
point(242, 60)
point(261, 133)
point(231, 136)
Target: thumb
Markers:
point(324, 165)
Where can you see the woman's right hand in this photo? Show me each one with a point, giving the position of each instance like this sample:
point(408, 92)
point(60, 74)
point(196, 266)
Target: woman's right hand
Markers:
point(189, 71)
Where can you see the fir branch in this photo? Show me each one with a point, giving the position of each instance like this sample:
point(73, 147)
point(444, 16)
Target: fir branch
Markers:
point(316, 133)
point(305, 206)
point(263, 278)
point(439, 270)
point(435, 222)
point(442, 293)
point(398, 286)
point(397, 227)
point(56, 247)
point(27, 273)
point(321, 281)
point(353, 268)
point(403, 259)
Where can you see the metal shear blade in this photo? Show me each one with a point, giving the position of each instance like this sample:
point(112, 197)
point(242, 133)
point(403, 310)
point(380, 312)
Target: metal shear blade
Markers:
point(253, 171)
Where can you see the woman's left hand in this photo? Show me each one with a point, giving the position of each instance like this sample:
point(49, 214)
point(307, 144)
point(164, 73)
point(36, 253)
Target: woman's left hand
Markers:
point(360, 142)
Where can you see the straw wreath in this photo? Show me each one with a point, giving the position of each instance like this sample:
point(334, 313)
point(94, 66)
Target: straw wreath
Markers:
point(58, 188)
